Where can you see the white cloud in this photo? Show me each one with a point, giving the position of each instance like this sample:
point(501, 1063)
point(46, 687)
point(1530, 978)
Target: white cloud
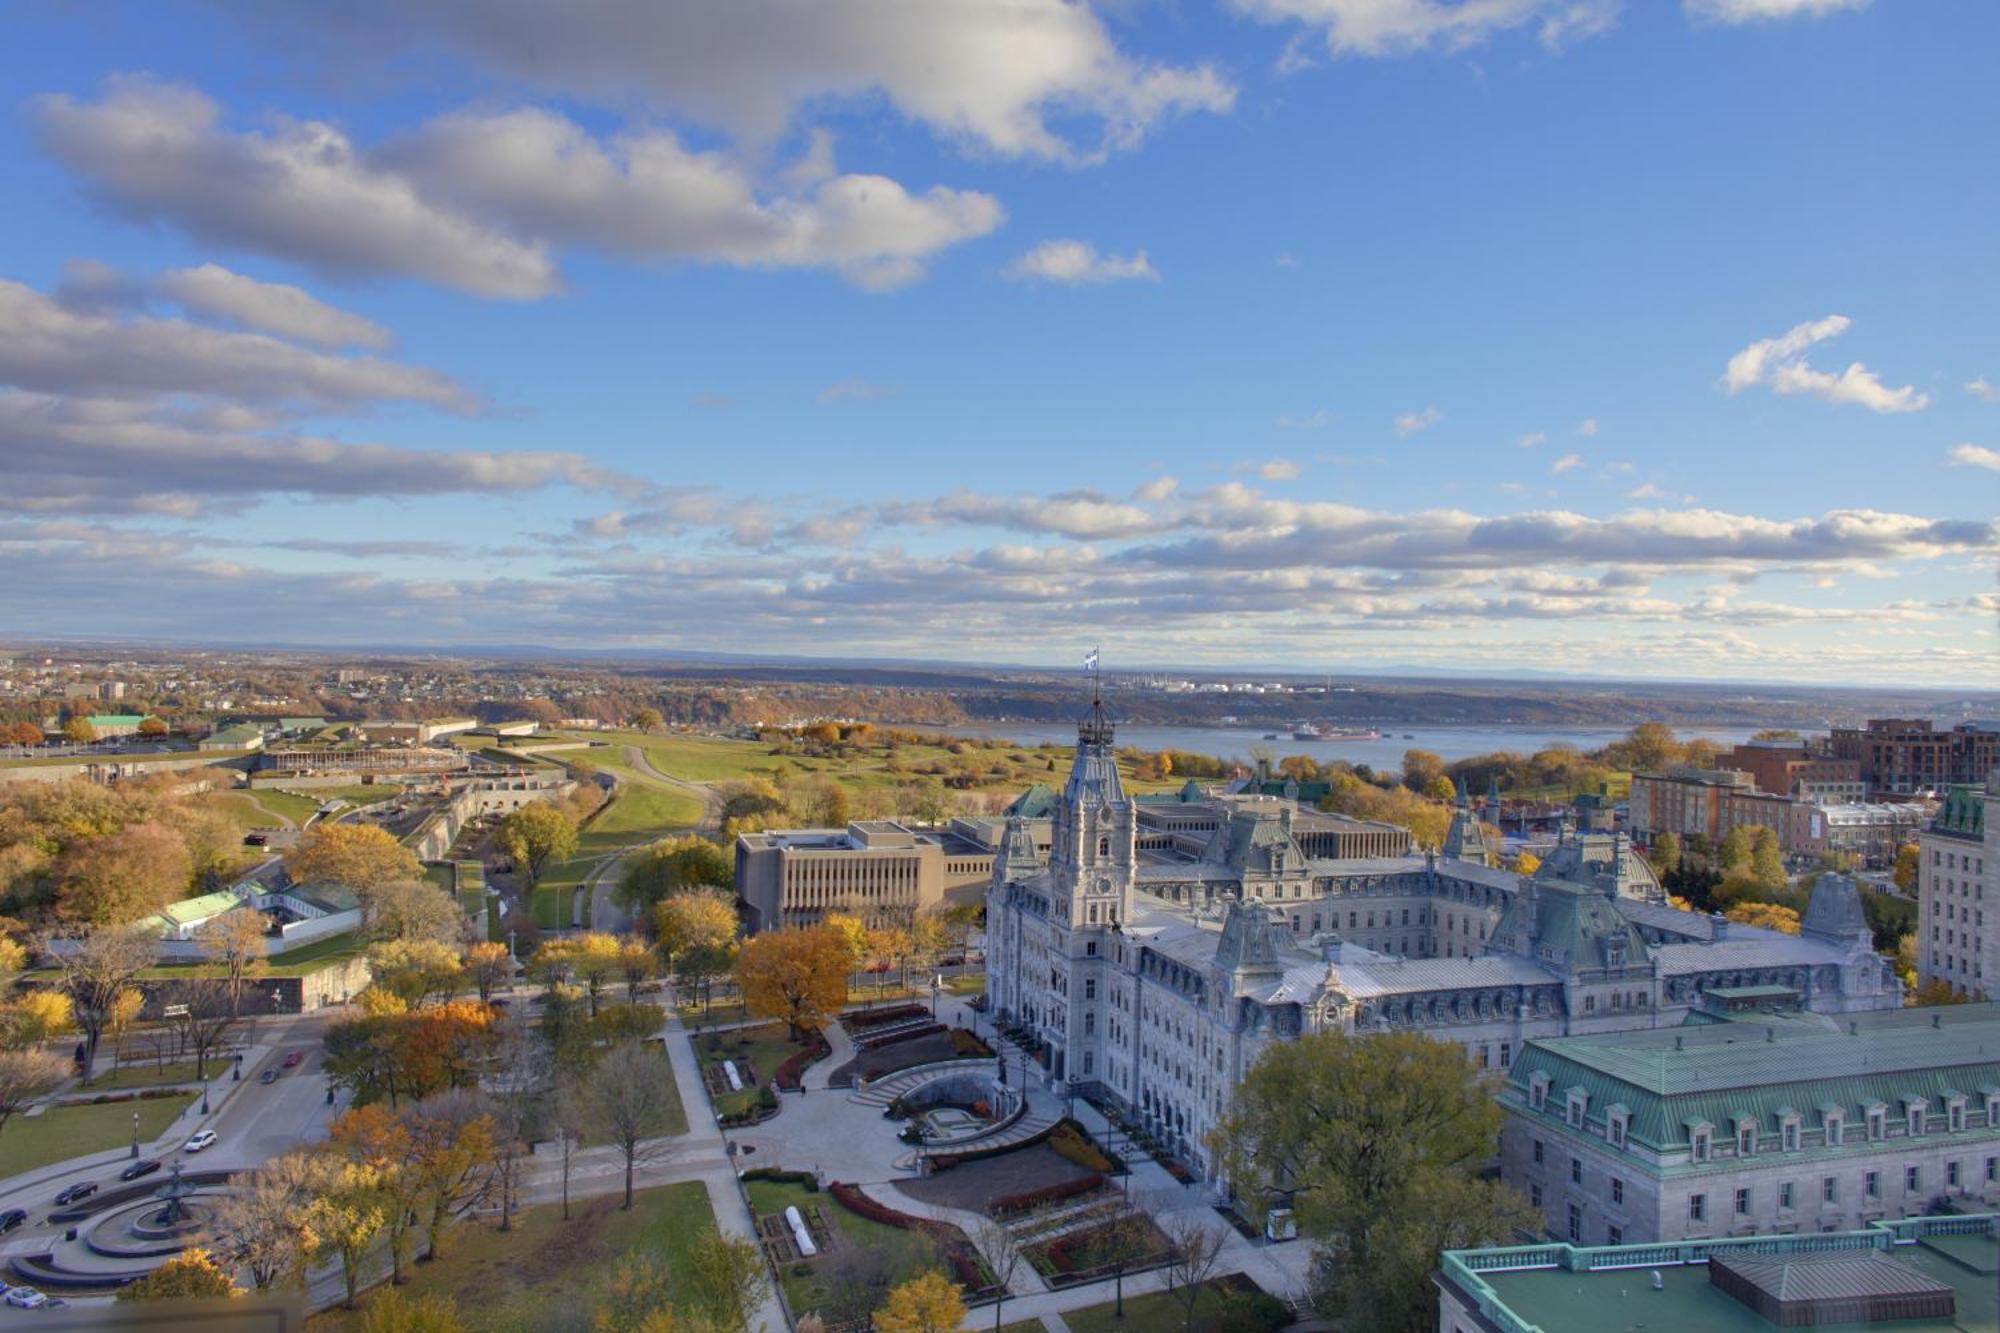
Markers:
point(49, 348)
point(1318, 419)
point(476, 201)
point(1532, 438)
point(1587, 427)
point(1973, 455)
point(1271, 469)
point(644, 195)
point(1780, 364)
point(1400, 27)
point(855, 391)
point(1076, 262)
point(273, 307)
point(1409, 423)
point(1754, 11)
point(1566, 463)
point(158, 152)
point(1979, 388)
point(1034, 78)
point(1156, 490)
point(1646, 490)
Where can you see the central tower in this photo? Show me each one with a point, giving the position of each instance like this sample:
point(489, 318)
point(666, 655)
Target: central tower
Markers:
point(1092, 849)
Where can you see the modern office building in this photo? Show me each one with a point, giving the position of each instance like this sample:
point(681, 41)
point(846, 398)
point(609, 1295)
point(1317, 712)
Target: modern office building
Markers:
point(876, 869)
point(1958, 859)
point(1759, 1116)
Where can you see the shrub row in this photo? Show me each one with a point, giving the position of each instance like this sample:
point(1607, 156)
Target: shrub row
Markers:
point(965, 1042)
point(794, 1067)
point(772, 1173)
point(966, 1266)
point(861, 1019)
point(142, 1095)
point(1007, 1205)
point(1073, 1142)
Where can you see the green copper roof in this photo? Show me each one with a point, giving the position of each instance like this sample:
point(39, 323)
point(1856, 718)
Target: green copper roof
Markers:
point(1963, 813)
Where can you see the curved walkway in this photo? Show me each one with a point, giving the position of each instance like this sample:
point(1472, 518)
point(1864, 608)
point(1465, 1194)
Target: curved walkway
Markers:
point(814, 1079)
point(641, 759)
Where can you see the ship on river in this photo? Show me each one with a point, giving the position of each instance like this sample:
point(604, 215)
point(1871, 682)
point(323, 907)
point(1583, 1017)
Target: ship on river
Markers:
point(1312, 731)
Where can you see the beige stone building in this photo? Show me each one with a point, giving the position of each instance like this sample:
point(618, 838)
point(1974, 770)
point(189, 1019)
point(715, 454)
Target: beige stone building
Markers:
point(877, 869)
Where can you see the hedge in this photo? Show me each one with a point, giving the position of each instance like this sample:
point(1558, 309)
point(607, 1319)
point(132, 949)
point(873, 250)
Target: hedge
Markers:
point(783, 1177)
point(790, 1072)
point(967, 1043)
point(1073, 1142)
point(891, 1039)
point(874, 1018)
point(1009, 1204)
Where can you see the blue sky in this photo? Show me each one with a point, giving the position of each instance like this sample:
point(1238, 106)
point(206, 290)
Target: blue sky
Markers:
point(1634, 339)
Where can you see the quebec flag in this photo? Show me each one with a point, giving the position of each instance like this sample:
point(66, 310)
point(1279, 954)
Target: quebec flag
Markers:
point(1090, 660)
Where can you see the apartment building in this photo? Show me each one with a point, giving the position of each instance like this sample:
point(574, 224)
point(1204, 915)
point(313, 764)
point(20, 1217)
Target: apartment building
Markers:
point(1902, 756)
point(1792, 768)
point(1958, 860)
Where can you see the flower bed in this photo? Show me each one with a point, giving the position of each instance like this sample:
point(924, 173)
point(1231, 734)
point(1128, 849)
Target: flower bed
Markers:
point(967, 1268)
point(970, 1045)
point(1066, 1261)
point(1010, 1205)
point(1074, 1142)
point(892, 1038)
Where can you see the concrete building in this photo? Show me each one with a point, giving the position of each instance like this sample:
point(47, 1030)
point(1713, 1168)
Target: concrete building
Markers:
point(1923, 1273)
point(1904, 756)
point(876, 869)
point(111, 691)
point(1153, 980)
point(360, 759)
point(1954, 853)
point(1758, 1117)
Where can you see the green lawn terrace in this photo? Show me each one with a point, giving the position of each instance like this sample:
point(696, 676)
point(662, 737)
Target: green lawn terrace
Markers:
point(1897, 1275)
point(550, 1273)
point(61, 1131)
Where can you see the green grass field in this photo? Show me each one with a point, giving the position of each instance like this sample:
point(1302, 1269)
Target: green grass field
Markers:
point(63, 1132)
point(356, 794)
point(260, 809)
point(548, 1273)
point(143, 1073)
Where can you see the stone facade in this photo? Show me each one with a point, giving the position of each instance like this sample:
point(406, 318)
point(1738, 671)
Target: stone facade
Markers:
point(1958, 860)
point(1155, 979)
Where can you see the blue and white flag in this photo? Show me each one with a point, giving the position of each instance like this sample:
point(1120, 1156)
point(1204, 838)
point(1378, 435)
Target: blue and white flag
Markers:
point(1090, 660)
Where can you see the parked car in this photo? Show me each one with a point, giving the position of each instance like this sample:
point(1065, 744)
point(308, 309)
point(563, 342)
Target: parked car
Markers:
point(201, 1140)
point(268, 1076)
point(12, 1218)
point(83, 1189)
point(26, 1298)
point(292, 1059)
point(145, 1166)
point(256, 840)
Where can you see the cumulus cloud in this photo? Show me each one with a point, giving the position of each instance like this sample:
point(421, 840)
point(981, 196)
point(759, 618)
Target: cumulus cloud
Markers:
point(1567, 463)
point(1409, 423)
point(1756, 11)
point(1074, 263)
point(478, 200)
point(645, 195)
point(1646, 490)
point(1532, 438)
point(273, 307)
point(1031, 78)
point(1587, 427)
point(1401, 27)
point(48, 347)
point(1780, 364)
point(1979, 388)
point(158, 152)
point(1973, 455)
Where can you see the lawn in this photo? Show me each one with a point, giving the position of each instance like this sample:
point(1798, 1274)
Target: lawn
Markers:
point(252, 810)
point(143, 1073)
point(63, 1132)
point(732, 1011)
point(1160, 1310)
point(902, 1253)
point(357, 794)
point(550, 1273)
point(294, 806)
point(766, 1048)
point(642, 810)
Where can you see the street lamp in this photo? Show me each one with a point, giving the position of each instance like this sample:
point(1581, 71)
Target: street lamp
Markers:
point(135, 1134)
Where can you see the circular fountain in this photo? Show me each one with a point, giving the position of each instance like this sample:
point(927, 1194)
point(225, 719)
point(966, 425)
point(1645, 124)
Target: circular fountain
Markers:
point(126, 1234)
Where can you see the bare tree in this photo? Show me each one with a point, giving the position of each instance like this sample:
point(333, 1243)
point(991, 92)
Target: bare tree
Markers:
point(233, 944)
point(524, 1065)
point(1195, 1240)
point(1121, 1240)
point(208, 1019)
point(26, 1075)
point(93, 968)
point(1004, 1252)
point(627, 1101)
point(571, 1119)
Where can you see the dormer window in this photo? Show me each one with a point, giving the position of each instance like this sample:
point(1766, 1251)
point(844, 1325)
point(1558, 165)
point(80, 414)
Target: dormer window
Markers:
point(1538, 1091)
point(1788, 1135)
point(1699, 1143)
point(1954, 1112)
point(1836, 1128)
point(1573, 1112)
point(1616, 1122)
point(1878, 1123)
point(1746, 1138)
point(1992, 1109)
point(1913, 1116)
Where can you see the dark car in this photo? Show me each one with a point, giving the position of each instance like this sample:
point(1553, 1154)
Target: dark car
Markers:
point(292, 1059)
point(81, 1190)
point(268, 1076)
point(144, 1167)
point(256, 840)
point(12, 1218)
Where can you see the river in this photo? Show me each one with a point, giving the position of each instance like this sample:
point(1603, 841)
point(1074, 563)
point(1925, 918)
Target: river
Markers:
point(1383, 755)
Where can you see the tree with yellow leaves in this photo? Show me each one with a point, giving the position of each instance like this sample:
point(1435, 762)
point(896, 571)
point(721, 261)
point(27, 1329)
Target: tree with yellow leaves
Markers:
point(695, 921)
point(360, 857)
point(1770, 916)
point(797, 975)
point(928, 1303)
point(1527, 863)
point(41, 1014)
point(189, 1275)
point(393, 1312)
point(488, 964)
point(345, 1220)
point(855, 935)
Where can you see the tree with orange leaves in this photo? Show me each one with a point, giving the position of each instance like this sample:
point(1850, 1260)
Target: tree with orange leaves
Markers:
point(797, 975)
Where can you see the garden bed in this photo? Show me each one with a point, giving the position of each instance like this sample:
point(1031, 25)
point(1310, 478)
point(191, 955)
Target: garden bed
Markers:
point(859, 1247)
point(756, 1053)
point(907, 1053)
point(1228, 1304)
point(1067, 1261)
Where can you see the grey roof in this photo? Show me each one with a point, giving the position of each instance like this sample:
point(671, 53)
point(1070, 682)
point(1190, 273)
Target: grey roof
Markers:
point(1387, 976)
point(1835, 912)
point(1745, 947)
point(1660, 916)
point(1567, 925)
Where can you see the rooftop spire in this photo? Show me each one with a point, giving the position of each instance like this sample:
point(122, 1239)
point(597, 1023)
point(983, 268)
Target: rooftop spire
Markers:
point(1096, 730)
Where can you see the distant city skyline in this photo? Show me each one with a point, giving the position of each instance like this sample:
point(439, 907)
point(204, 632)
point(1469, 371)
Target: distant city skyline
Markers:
point(1614, 341)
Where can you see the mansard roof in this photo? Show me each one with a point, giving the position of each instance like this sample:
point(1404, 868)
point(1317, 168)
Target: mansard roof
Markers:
point(1037, 802)
point(1250, 840)
point(1594, 859)
point(1568, 927)
point(1963, 814)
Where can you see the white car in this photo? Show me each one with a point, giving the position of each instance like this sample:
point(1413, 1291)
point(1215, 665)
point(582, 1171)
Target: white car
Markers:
point(25, 1297)
point(201, 1140)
